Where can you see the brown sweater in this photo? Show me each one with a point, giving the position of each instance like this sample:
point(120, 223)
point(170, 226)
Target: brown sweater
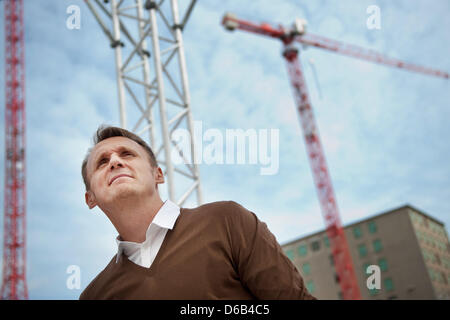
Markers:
point(219, 250)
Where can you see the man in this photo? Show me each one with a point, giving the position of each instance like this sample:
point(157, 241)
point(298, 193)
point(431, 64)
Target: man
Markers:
point(219, 250)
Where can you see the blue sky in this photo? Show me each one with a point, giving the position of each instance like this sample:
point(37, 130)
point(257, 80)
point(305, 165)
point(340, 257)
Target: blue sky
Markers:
point(384, 131)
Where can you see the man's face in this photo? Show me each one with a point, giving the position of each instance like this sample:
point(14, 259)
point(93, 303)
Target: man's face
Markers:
point(117, 168)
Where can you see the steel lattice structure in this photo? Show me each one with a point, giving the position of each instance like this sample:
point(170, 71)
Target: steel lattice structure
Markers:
point(328, 204)
point(14, 284)
point(131, 24)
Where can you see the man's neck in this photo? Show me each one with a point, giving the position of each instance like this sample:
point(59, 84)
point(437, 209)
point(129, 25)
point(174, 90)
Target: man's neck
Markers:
point(132, 217)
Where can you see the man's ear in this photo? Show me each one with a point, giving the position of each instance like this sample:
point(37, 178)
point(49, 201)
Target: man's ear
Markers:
point(159, 178)
point(90, 199)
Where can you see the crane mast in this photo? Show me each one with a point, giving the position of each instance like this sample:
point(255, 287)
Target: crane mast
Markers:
point(338, 242)
point(14, 259)
point(297, 33)
point(156, 95)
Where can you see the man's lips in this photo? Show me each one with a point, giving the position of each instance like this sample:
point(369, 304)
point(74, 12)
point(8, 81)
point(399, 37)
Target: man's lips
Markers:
point(118, 176)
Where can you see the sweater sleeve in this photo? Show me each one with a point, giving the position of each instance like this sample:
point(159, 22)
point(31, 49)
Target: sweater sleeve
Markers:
point(261, 263)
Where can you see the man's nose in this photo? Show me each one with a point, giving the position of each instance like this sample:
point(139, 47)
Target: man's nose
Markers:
point(115, 162)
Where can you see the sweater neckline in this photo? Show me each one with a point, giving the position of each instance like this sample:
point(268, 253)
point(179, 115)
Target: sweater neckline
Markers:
point(125, 262)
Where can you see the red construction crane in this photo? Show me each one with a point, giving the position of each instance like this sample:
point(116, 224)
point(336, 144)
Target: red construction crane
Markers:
point(14, 284)
point(297, 33)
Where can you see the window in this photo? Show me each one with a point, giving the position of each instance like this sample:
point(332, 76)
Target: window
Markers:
point(432, 274)
point(315, 245)
point(388, 284)
point(431, 257)
point(420, 237)
point(331, 259)
point(306, 269)
point(377, 245)
point(302, 251)
point(372, 227)
point(310, 286)
point(357, 232)
point(362, 250)
point(336, 278)
point(374, 292)
point(419, 218)
point(365, 266)
point(382, 263)
point(326, 241)
point(438, 260)
point(446, 262)
point(290, 254)
point(425, 255)
point(413, 217)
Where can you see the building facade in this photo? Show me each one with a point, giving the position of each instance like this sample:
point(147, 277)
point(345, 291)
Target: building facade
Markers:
point(410, 248)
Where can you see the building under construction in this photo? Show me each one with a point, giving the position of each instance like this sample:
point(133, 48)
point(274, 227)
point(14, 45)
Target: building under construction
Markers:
point(410, 247)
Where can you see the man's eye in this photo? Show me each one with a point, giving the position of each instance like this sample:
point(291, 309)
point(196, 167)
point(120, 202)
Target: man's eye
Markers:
point(102, 161)
point(126, 153)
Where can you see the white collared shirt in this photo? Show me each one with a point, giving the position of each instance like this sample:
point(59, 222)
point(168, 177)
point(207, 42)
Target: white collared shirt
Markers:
point(144, 253)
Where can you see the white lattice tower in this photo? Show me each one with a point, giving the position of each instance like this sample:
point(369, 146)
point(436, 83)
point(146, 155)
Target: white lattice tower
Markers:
point(152, 83)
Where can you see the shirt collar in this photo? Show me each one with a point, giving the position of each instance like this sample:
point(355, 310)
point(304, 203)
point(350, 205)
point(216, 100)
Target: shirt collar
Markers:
point(167, 215)
point(165, 218)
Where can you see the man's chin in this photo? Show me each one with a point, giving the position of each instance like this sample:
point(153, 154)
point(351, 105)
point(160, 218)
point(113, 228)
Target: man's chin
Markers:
point(124, 191)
